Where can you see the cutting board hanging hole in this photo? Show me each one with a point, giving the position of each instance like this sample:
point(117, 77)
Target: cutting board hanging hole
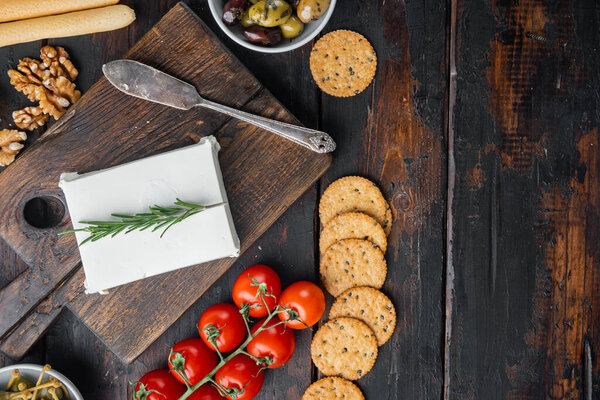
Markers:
point(44, 212)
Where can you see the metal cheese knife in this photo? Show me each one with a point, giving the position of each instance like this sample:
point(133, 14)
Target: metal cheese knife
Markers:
point(142, 81)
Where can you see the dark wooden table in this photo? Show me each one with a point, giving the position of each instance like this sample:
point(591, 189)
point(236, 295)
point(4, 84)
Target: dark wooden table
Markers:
point(484, 137)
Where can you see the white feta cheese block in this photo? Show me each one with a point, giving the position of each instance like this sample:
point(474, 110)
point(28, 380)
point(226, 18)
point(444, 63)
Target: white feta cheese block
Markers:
point(191, 174)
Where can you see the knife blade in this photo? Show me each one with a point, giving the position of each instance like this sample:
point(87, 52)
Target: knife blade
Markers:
point(144, 82)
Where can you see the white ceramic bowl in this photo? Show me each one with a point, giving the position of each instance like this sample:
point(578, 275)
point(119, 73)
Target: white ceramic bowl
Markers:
point(32, 372)
point(235, 32)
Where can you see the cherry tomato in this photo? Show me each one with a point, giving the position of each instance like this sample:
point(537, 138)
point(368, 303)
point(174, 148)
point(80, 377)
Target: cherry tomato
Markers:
point(192, 359)
point(242, 375)
point(277, 342)
point(307, 299)
point(245, 289)
point(206, 392)
point(229, 322)
point(158, 385)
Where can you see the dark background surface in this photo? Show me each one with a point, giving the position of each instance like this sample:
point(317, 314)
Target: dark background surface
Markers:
point(484, 141)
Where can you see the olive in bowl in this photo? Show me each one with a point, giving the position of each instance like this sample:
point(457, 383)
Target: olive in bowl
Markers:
point(233, 10)
point(270, 13)
point(292, 28)
point(271, 26)
point(264, 36)
point(311, 10)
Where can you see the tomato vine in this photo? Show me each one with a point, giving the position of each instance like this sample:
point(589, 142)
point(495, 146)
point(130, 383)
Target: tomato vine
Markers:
point(264, 362)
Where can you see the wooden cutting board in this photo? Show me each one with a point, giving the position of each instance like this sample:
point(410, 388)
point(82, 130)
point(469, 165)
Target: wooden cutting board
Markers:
point(263, 173)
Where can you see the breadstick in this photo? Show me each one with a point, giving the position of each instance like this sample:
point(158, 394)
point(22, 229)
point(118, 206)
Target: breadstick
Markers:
point(63, 25)
point(14, 10)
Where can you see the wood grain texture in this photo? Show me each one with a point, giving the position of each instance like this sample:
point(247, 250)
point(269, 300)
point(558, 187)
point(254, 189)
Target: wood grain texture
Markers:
point(526, 201)
point(524, 212)
point(259, 192)
point(33, 327)
point(392, 133)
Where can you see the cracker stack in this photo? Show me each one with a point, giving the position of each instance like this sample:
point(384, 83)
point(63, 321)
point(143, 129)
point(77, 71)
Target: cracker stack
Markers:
point(356, 220)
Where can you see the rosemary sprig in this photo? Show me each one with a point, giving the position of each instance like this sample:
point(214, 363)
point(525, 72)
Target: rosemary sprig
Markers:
point(158, 217)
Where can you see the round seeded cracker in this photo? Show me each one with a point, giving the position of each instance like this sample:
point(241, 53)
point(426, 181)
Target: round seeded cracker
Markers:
point(355, 194)
point(333, 388)
point(351, 263)
point(371, 307)
point(343, 63)
point(352, 226)
point(344, 346)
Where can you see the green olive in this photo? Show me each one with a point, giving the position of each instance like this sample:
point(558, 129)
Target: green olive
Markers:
point(310, 10)
point(292, 27)
point(270, 13)
point(245, 20)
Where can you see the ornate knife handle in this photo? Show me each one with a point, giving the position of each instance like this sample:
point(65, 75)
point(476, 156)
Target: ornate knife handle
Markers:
point(314, 140)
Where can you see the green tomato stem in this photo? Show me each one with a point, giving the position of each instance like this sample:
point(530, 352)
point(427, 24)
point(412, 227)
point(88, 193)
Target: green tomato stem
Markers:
point(247, 325)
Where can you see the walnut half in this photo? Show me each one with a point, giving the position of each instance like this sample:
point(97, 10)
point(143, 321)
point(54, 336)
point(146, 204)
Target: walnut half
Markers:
point(10, 145)
point(28, 76)
point(30, 118)
point(56, 95)
point(56, 59)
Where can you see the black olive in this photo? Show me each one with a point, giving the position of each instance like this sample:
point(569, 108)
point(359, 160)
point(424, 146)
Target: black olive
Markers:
point(233, 10)
point(264, 36)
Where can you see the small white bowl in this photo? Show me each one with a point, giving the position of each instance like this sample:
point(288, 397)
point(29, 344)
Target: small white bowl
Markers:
point(32, 372)
point(236, 32)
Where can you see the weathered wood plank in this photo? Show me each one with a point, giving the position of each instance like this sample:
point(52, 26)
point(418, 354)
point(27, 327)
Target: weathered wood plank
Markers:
point(526, 205)
point(288, 245)
point(393, 134)
point(29, 331)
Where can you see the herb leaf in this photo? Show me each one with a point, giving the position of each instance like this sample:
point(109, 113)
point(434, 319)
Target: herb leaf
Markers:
point(157, 218)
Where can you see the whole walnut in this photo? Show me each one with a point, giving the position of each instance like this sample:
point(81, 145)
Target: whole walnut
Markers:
point(48, 82)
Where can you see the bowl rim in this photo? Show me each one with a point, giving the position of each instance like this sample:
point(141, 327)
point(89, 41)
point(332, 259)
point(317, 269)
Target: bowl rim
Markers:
point(216, 13)
point(37, 368)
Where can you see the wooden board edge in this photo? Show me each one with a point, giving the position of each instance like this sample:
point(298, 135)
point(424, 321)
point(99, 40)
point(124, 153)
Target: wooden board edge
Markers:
point(131, 357)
